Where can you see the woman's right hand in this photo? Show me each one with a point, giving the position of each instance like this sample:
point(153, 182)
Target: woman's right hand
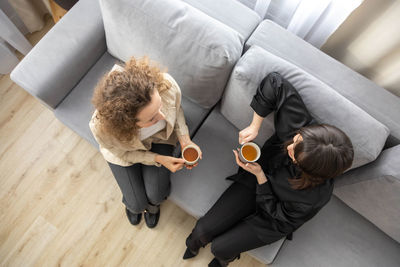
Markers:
point(248, 134)
point(171, 163)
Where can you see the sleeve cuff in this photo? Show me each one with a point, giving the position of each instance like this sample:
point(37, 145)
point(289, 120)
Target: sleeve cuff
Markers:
point(263, 189)
point(149, 159)
point(259, 108)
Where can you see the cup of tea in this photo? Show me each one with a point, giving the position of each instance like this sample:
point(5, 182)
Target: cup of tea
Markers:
point(249, 152)
point(191, 155)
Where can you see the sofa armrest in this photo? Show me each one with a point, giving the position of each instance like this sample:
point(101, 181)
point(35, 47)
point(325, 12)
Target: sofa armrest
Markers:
point(63, 56)
point(374, 191)
point(387, 164)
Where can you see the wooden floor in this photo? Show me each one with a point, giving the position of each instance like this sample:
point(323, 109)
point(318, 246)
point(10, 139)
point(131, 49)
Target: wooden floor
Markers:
point(60, 205)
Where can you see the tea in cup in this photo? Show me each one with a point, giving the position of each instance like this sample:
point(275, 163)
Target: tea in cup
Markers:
point(190, 154)
point(249, 152)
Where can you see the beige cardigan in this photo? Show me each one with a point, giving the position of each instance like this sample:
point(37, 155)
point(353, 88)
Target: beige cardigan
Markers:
point(136, 151)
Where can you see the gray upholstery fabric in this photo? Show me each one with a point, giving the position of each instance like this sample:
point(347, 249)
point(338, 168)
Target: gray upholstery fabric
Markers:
point(388, 163)
point(198, 50)
point(76, 110)
point(378, 200)
point(194, 114)
point(338, 237)
point(231, 13)
point(57, 63)
point(249, 3)
point(198, 189)
point(324, 104)
point(374, 191)
point(216, 137)
point(373, 99)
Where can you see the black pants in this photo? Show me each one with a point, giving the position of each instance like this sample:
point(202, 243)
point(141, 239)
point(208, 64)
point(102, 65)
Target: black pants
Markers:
point(224, 225)
point(144, 187)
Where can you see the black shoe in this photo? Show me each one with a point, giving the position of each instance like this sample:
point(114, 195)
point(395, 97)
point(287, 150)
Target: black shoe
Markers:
point(151, 219)
point(220, 263)
point(134, 218)
point(190, 254)
point(215, 263)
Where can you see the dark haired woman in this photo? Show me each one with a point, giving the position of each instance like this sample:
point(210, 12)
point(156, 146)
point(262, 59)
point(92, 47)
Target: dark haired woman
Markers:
point(290, 183)
point(137, 122)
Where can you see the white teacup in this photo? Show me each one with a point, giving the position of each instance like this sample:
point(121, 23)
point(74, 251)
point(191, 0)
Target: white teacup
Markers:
point(190, 154)
point(249, 148)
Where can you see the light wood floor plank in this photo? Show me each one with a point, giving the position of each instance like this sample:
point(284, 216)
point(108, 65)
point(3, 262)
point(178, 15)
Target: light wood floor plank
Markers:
point(32, 244)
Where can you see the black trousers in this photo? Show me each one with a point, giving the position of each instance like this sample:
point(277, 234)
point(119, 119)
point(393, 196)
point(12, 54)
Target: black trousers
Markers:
point(225, 227)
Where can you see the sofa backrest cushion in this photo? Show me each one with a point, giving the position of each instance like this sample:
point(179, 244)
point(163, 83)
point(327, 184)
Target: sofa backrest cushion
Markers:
point(370, 97)
point(197, 50)
point(230, 12)
point(324, 104)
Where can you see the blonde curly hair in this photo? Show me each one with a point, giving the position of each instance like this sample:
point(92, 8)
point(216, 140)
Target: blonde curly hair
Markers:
point(120, 95)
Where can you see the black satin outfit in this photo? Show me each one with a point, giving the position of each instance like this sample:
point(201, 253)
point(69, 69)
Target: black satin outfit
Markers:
point(249, 215)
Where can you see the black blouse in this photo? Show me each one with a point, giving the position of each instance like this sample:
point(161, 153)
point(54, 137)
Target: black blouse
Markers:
point(280, 209)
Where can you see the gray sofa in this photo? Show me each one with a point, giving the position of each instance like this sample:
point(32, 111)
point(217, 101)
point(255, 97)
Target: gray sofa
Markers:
point(218, 51)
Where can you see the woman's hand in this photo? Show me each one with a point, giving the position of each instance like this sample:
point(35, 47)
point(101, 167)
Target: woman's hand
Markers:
point(185, 140)
point(171, 163)
point(253, 168)
point(248, 134)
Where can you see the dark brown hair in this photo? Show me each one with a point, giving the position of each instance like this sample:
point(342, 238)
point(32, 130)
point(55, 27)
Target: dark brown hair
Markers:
point(324, 153)
point(120, 95)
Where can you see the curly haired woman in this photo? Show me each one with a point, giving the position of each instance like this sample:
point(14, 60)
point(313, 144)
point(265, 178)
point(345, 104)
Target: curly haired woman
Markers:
point(137, 122)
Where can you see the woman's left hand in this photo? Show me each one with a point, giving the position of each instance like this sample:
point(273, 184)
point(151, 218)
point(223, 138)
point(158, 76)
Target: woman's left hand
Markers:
point(252, 167)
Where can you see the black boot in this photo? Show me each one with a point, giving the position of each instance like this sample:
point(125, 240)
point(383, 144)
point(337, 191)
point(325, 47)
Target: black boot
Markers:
point(216, 263)
point(190, 254)
point(150, 218)
point(221, 263)
point(134, 218)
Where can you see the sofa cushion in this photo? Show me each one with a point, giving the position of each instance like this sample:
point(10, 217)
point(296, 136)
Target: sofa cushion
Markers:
point(324, 104)
point(338, 236)
point(198, 189)
point(373, 99)
point(198, 50)
point(232, 13)
point(374, 191)
point(76, 110)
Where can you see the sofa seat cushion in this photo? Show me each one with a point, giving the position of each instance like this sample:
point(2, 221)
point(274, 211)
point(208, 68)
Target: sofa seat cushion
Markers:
point(198, 50)
point(338, 236)
point(373, 99)
point(76, 110)
point(198, 189)
point(374, 191)
point(326, 105)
